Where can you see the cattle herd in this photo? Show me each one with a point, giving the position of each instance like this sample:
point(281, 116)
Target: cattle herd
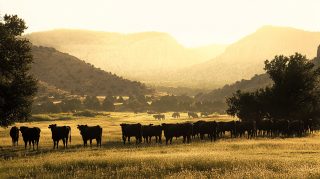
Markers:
point(188, 130)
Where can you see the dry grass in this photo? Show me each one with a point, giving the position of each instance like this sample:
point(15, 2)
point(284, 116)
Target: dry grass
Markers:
point(226, 158)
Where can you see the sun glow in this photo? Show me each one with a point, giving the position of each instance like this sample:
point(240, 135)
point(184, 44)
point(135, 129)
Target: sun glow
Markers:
point(191, 22)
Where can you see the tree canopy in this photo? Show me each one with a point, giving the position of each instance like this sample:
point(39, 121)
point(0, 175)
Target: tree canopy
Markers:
point(293, 95)
point(17, 86)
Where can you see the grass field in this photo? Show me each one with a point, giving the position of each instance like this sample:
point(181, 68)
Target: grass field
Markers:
point(226, 158)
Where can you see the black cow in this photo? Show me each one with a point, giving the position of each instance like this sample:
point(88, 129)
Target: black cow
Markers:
point(246, 126)
point(177, 130)
point(31, 135)
point(89, 133)
point(264, 127)
point(296, 128)
point(129, 130)
point(224, 127)
point(176, 115)
point(60, 133)
point(280, 127)
point(196, 128)
point(193, 115)
point(14, 134)
point(159, 116)
point(149, 131)
point(209, 128)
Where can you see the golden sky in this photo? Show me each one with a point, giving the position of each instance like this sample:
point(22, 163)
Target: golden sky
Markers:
point(191, 22)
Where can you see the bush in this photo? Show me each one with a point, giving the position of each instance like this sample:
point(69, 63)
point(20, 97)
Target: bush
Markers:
point(86, 113)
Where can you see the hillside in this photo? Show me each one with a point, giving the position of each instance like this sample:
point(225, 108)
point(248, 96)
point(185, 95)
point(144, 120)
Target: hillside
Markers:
point(220, 94)
point(68, 73)
point(145, 56)
point(246, 57)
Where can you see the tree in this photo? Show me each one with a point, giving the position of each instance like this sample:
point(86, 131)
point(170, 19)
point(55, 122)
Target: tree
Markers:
point(92, 102)
point(17, 86)
point(71, 104)
point(108, 105)
point(295, 93)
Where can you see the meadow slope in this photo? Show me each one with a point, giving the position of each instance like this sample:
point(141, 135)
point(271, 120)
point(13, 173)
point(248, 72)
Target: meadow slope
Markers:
point(226, 158)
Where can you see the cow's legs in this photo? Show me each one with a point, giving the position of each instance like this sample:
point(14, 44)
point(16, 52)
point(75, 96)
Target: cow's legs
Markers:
point(124, 139)
point(25, 144)
point(64, 143)
point(33, 144)
point(90, 142)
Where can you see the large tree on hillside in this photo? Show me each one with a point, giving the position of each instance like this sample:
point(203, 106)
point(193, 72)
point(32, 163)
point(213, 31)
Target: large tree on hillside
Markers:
point(295, 93)
point(17, 86)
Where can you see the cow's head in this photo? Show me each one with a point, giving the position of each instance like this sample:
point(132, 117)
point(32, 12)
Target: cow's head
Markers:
point(82, 127)
point(52, 126)
point(23, 128)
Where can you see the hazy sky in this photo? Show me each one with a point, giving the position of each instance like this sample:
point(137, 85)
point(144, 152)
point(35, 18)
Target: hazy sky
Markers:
point(191, 22)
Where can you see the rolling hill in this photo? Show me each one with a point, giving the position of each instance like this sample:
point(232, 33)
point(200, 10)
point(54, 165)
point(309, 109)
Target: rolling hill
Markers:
point(246, 57)
point(145, 56)
point(57, 70)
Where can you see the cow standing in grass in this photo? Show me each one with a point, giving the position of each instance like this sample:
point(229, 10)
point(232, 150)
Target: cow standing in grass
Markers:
point(210, 128)
point(90, 133)
point(131, 130)
point(176, 115)
point(177, 130)
point(193, 115)
point(14, 134)
point(60, 133)
point(159, 116)
point(30, 135)
point(149, 131)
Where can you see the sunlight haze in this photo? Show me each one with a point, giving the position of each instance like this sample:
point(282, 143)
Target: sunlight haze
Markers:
point(192, 23)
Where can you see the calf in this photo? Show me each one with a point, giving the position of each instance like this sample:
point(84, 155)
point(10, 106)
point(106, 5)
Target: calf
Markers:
point(14, 134)
point(89, 133)
point(60, 133)
point(31, 135)
point(130, 130)
point(149, 131)
point(178, 130)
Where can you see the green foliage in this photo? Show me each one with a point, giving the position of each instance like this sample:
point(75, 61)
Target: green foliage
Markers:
point(91, 102)
point(69, 105)
point(107, 104)
point(294, 94)
point(86, 113)
point(17, 86)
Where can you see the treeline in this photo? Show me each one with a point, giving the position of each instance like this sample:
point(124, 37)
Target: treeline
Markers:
point(137, 103)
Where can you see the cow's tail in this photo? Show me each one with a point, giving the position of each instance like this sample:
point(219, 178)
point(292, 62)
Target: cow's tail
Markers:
point(70, 135)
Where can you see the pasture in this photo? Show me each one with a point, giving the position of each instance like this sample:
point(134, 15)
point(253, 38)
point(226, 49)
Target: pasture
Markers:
point(225, 158)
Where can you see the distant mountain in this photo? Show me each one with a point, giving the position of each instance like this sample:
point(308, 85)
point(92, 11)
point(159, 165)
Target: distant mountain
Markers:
point(246, 57)
point(146, 56)
point(61, 71)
